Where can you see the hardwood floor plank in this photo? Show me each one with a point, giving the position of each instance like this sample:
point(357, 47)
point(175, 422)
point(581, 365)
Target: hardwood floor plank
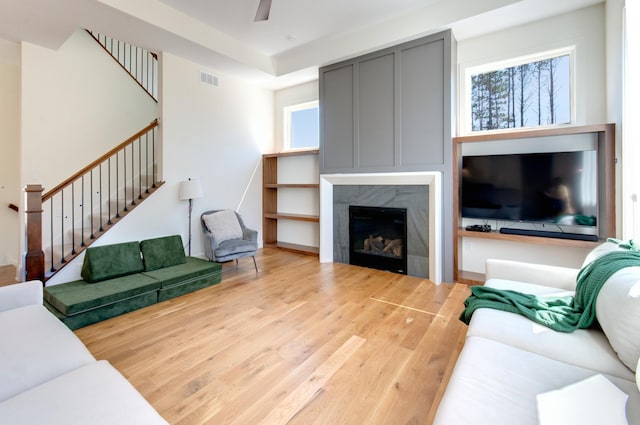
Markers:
point(304, 394)
point(299, 342)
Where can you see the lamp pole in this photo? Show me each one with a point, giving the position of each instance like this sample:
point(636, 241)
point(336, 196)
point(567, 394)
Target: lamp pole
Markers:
point(190, 209)
point(190, 190)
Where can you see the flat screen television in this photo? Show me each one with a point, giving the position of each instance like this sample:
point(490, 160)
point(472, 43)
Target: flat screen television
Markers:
point(559, 189)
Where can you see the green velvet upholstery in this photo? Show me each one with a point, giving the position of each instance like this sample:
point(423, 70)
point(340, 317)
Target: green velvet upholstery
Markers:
point(79, 296)
point(170, 274)
point(110, 261)
point(105, 312)
point(194, 274)
point(162, 252)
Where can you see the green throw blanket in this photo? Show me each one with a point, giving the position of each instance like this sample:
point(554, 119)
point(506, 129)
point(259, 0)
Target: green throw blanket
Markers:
point(563, 314)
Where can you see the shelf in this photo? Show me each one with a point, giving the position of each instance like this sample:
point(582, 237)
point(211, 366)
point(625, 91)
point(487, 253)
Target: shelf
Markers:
point(470, 278)
point(527, 239)
point(300, 249)
point(296, 217)
point(315, 151)
point(270, 188)
point(292, 185)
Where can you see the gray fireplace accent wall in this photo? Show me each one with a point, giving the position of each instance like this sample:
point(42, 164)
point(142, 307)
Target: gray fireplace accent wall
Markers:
point(391, 111)
point(415, 198)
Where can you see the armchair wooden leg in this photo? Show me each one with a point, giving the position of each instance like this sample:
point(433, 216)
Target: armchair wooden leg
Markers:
point(254, 264)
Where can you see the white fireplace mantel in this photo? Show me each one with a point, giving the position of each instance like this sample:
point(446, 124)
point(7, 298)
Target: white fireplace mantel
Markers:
point(432, 179)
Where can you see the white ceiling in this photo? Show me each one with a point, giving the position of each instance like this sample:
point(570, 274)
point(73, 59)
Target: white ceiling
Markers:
point(304, 21)
point(299, 36)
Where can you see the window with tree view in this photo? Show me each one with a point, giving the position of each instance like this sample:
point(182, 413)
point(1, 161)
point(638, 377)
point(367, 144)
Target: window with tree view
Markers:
point(525, 95)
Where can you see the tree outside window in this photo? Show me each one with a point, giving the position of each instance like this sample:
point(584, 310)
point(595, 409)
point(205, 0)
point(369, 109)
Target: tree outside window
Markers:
point(529, 94)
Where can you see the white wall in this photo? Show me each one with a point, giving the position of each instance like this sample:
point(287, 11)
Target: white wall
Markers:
point(10, 148)
point(627, 135)
point(297, 169)
point(77, 103)
point(584, 29)
point(216, 134)
point(614, 64)
point(295, 95)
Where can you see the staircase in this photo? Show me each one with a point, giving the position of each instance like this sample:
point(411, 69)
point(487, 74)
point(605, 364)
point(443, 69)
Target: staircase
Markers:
point(141, 64)
point(64, 221)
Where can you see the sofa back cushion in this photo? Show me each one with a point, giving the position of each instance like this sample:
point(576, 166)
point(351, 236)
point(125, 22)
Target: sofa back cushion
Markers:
point(618, 312)
point(162, 252)
point(638, 375)
point(602, 249)
point(109, 261)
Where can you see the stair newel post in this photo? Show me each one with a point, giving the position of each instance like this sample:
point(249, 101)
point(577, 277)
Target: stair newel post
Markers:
point(34, 259)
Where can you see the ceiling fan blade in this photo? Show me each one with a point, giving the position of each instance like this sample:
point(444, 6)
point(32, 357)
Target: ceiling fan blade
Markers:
point(263, 10)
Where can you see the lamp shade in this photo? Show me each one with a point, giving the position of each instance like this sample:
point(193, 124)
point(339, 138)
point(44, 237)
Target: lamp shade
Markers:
point(190, 189)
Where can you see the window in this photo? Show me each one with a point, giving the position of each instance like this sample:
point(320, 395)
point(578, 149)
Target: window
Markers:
point(525, 92)
point(301, 126)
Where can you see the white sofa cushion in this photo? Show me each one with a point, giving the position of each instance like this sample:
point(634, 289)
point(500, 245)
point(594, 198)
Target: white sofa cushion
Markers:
point(94, 394)
point(539, 274)
point(601, 250)
point(20, 294)
point(496, 384)
point(587, 348)
point(35, 347)
point(638, 375)
point(618, 312)
point(528, 288)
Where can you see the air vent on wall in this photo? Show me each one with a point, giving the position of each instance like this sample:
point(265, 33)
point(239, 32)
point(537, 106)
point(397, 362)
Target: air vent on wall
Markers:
point(210, 79)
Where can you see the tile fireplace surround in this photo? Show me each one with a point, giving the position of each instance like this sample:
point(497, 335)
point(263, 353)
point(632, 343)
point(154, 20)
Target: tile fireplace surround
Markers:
point(430, 179)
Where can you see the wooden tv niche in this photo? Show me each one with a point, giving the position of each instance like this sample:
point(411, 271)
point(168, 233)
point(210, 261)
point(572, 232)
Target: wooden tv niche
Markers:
point(605, 137)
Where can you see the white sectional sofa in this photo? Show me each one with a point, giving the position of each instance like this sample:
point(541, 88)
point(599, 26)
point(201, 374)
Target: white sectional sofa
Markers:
point(514, 371)
point(47, 376)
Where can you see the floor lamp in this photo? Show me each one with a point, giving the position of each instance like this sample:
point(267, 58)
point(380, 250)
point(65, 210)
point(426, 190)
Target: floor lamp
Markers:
point(190, 190)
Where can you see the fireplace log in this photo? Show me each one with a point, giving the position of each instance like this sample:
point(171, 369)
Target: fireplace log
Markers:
point(395, 246)
point(374, 243)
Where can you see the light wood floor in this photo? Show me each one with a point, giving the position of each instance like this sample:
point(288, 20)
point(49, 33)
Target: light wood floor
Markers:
point(7, 275)
point(298, 343)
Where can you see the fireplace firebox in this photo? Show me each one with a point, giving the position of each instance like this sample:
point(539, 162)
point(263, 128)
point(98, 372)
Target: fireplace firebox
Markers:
point(378, 238)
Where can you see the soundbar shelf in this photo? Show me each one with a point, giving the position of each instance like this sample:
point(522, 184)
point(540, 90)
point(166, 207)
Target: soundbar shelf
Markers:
point(526, 239)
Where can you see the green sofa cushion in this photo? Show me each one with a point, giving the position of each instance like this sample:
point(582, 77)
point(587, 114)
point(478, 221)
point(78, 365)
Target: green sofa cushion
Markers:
point(79, 296)
point(162, 252)
point(109, 261)
point(98, 314)
point(192, 268)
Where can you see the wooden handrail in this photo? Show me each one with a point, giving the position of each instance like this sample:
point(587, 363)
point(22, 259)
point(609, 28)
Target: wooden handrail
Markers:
point(136, 78)
point(97, 162)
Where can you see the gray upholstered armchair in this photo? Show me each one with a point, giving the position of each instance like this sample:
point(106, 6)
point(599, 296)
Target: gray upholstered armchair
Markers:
point(226, 237)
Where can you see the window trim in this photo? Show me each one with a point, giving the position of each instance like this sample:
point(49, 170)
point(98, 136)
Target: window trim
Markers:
point(466, 118)
point(286, 114)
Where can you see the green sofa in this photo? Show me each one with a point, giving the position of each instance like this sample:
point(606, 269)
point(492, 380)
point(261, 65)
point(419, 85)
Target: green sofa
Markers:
point(123, 277)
